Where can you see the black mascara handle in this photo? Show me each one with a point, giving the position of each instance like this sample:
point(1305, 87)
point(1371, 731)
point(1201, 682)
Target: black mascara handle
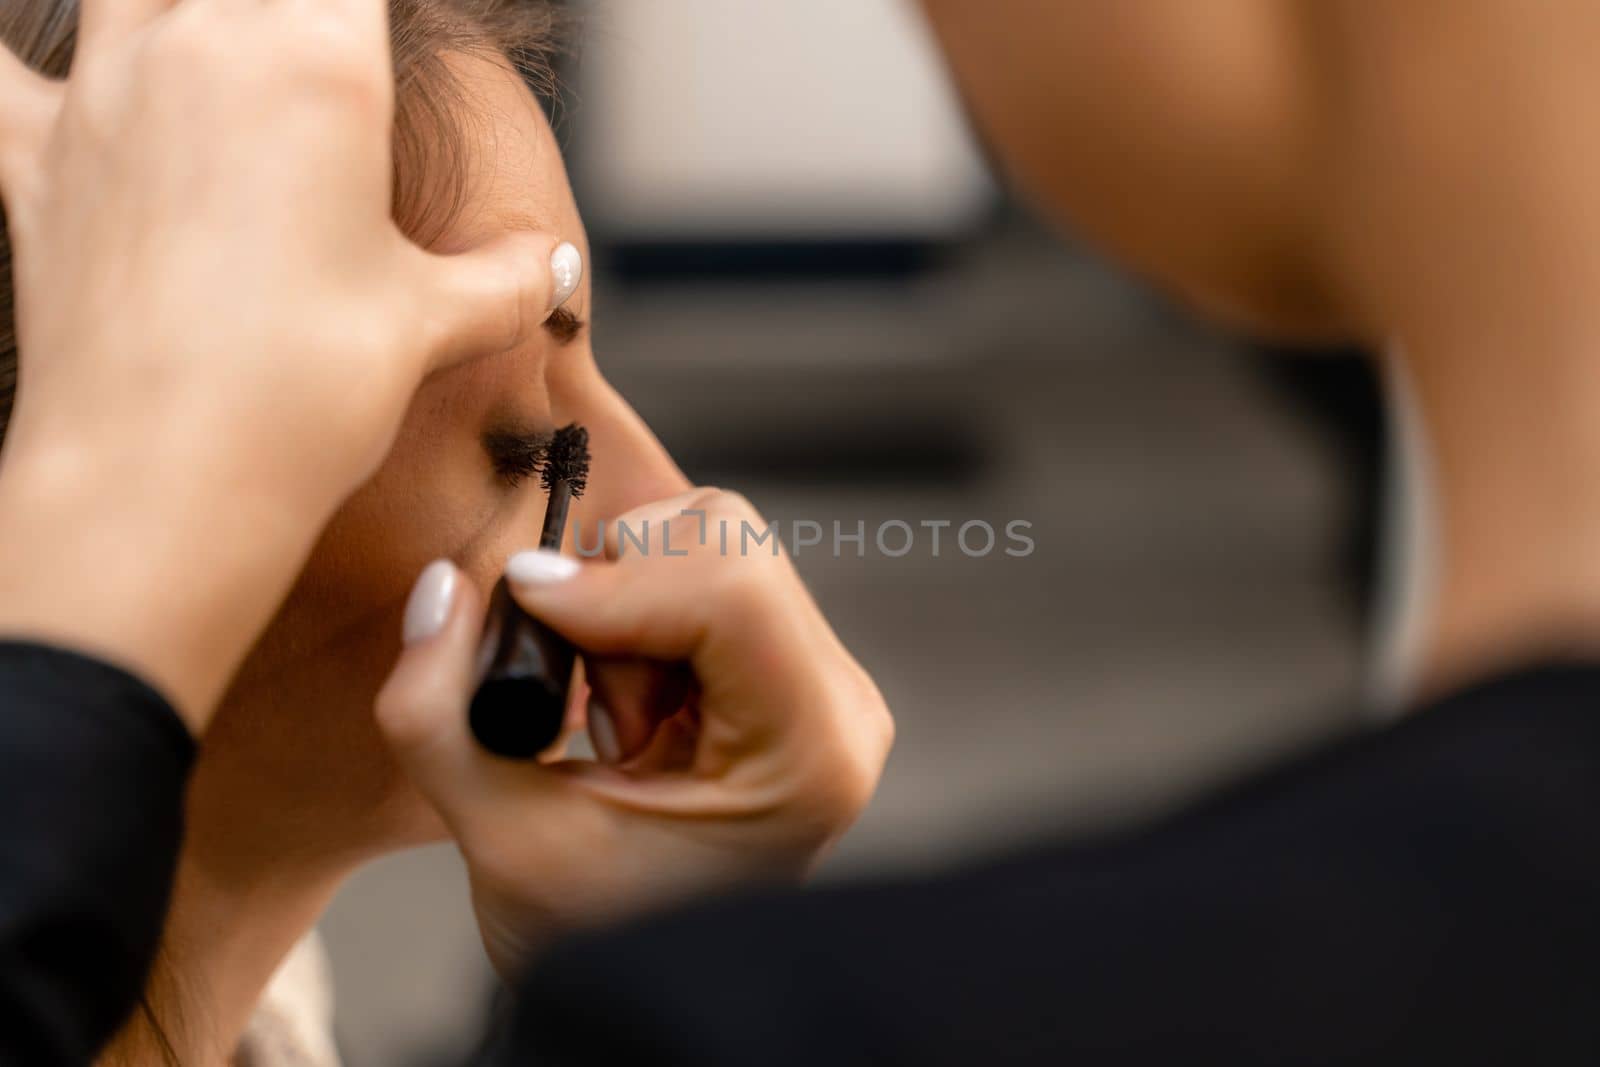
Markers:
point(516, 718)
point(521, 704)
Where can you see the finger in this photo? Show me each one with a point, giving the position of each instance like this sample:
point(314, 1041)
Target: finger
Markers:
point(574, 720)
point(740, 622)
point(494, 297)
point(672, 747)
point(695, 503)
point(675, 573)
point(108, 20)
point(630, 700)
point(371, 17)
point(772, 683)
point(602, 613)
point(422, 709)
point(14, 79)
point(28, 104)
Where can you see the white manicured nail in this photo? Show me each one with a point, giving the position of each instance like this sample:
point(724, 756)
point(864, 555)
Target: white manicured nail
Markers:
point(603, 734)
point(431, 599)
point(540, 566)
point(566, 271)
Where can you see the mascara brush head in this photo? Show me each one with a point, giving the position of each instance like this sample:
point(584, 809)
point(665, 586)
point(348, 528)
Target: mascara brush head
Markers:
point(566, 459)
point(522, 694)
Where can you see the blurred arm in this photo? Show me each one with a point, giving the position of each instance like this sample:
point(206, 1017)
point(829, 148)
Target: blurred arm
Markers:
point(1176, 135)
point(1421, 896)
point(94, 764)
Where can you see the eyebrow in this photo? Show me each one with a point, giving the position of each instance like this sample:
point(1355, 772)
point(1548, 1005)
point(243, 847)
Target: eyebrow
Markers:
point(565, 326)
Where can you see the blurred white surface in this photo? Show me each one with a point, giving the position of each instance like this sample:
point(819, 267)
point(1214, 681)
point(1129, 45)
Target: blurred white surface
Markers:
point(774, 119)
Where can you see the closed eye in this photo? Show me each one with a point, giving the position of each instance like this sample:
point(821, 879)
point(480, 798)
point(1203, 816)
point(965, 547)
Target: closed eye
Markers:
point(515, 455)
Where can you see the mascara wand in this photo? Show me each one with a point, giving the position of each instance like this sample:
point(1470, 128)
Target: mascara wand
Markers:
point(526, 673)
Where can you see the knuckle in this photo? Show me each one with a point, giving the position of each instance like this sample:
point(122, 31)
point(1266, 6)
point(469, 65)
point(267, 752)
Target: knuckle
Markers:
point(705, 500)
point(857, 747)
point(684, 530)
point(868, 707)
point(409, 718)
point(334, 66)
point(184, 43)
point(843, 792)
point(701, 502)
point(887, 730)
point(743, 589)
point(27, 120)
point(732, 505)
point(856, 793)
point(192, 48)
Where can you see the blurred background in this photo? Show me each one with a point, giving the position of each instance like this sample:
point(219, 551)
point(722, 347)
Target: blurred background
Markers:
point(810, 286)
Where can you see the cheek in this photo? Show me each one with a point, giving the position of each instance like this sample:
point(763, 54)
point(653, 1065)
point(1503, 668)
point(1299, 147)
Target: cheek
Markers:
point(433, 498)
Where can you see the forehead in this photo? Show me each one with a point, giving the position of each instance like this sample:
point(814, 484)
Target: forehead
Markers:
point(514, 176)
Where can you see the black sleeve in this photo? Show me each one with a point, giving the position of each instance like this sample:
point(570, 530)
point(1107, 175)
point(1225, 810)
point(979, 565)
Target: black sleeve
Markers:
point(1426, 896)
point(93, 765)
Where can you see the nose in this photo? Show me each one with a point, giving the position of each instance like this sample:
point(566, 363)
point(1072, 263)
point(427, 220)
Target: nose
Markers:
point(628, 466)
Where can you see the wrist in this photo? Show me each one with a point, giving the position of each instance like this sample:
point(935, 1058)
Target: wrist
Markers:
point(160, 567)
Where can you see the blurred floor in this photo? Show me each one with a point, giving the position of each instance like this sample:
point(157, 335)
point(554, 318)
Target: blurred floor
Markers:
point(1180, 618)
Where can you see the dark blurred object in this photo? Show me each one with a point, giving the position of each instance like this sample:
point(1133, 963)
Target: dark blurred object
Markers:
point(770, 260)
point(893, 448)
point(1418, 896)
point(1339, 392)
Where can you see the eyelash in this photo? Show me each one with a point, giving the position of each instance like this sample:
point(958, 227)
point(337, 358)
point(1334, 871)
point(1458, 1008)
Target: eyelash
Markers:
point(515, 458)
point(513, 472)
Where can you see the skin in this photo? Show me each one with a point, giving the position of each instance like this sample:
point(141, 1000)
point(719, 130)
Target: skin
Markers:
point(241, 346)
point(263, 379)
point(750, 780)
point(295, 787)
point(1365, 182)
point(1334, 176)
point(1341, 170)
point(1173, 134)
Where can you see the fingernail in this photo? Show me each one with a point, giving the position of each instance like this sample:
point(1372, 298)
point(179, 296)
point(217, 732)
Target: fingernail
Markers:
point(603, 734)
point(428, 609)
point(540, 566)
point(566, 271)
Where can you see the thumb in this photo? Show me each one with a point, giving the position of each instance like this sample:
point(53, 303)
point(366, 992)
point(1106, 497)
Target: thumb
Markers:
point(494, 297)
point(422, 707)
point(422, 711)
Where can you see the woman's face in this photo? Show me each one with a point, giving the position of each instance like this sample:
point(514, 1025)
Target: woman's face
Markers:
point(298, 721)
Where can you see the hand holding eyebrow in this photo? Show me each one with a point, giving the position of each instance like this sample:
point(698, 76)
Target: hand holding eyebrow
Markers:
point(201, 150)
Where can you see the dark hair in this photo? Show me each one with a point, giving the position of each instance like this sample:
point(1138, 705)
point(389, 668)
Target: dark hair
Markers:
point(430, 130)
point(431, 142)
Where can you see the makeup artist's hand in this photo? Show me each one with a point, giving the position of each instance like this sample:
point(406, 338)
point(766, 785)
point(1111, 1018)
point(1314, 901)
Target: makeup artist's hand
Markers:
point(742, 738)
point(220, 327)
